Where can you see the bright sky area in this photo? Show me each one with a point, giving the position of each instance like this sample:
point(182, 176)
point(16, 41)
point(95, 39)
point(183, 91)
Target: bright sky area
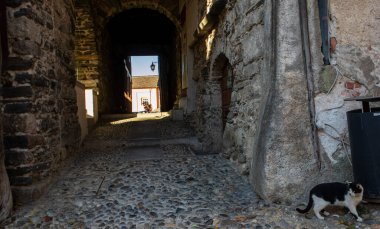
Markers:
point(141, 65)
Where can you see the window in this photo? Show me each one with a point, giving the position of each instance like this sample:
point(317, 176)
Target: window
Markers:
point(144, 101)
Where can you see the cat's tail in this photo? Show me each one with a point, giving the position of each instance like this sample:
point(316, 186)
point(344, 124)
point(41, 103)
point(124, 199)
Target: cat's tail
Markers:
point(309, 205)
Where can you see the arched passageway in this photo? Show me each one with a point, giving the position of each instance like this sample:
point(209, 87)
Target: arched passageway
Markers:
point(270, 134)
point(137, 32)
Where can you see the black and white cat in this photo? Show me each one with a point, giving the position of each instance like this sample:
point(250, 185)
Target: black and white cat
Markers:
point(339, 194)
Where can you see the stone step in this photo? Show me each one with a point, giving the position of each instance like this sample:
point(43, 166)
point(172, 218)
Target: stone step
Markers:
point(192, 142)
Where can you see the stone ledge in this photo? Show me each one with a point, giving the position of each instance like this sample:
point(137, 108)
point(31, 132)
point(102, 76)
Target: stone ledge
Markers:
point(90, 83)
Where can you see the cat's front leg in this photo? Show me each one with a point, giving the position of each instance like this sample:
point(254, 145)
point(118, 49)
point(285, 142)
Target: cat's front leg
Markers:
point(355, 213)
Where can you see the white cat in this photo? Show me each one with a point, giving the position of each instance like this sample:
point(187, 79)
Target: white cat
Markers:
point(339, 194)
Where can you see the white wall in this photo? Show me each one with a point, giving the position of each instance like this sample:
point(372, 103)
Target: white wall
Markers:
point(149, 93)
point(80, 91)
point(92, 110)
point(90, 102)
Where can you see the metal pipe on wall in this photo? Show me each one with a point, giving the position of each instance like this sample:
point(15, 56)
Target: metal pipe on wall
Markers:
point(324, 24)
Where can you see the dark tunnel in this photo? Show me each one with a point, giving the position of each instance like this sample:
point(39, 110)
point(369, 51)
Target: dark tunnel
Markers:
point(140, 32)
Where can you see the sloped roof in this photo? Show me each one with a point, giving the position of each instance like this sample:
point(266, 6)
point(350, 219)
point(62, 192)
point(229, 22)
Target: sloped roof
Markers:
point(144, 82)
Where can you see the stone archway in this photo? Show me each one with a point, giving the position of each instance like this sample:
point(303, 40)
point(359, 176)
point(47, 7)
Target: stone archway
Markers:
point(217, 99)
point(146, 32)
point(222, 71)
point(113, 10)
point(102, 14)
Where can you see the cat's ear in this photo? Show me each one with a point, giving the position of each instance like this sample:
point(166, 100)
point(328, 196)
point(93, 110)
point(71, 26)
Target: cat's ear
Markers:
point(360, 187)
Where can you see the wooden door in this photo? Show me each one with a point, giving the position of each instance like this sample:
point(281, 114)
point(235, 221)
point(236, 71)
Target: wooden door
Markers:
point(226, 88)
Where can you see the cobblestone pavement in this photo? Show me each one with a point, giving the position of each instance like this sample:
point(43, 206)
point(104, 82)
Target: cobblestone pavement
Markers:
point(115, 183)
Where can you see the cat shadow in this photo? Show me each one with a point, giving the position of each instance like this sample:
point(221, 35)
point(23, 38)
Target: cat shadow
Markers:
point(339, 213)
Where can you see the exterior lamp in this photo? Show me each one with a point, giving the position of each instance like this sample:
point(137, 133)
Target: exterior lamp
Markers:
point(153, 66)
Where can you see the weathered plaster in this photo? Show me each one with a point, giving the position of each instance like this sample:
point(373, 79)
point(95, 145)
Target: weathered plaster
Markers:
point(268, 132)
point(355, 72)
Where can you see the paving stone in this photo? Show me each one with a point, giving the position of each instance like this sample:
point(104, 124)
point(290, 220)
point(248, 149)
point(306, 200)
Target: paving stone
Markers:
point(102, 187)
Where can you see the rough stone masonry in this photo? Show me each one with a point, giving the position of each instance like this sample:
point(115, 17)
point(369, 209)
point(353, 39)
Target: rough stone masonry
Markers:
point(39, 114)
point(286, 129)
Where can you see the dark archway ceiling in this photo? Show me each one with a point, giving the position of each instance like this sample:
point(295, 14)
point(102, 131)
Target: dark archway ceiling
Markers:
point(141, 27)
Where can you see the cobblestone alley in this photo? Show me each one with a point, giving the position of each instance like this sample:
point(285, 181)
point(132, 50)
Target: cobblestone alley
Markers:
point(144, 173)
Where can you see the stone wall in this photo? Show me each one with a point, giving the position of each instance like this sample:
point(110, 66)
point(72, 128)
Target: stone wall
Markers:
point(6, 201)
point(268, 135)
point(241, 28)
point(92, 19)
point(354, 71)
point(287, 125)
point(86, 54)
point(40, 121)
point(88, 61)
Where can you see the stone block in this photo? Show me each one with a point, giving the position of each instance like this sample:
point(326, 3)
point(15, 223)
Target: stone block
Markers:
point(17, 63)
point(23, 141)
point(23, 78)
point(14, 123)
point(253, 45)
point(15, 142)
point(16, 158)
point(40, 81)
point(249, 71)
point(20, 181)
point(30, 14)
point(14, 92)
point(18, 108)
point(48, 21)
point(25, 169)
point(25, 28)
point(47, 124)
point(46, 106)
point(26, 47)
point(35, 140)
point(14, 3)
point(27, 194)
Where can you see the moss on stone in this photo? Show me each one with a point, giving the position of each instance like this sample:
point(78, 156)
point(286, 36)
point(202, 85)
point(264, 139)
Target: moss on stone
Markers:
point(326, 78)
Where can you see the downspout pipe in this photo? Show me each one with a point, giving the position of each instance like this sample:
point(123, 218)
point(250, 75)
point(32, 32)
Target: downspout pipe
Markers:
point(324, 24)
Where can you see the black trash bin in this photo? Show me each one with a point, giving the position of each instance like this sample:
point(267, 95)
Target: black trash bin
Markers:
point(364, 132)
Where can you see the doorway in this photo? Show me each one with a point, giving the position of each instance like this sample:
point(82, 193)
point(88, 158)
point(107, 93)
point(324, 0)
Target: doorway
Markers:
point(226, 88)
point(137, 34)
point(145, 84)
